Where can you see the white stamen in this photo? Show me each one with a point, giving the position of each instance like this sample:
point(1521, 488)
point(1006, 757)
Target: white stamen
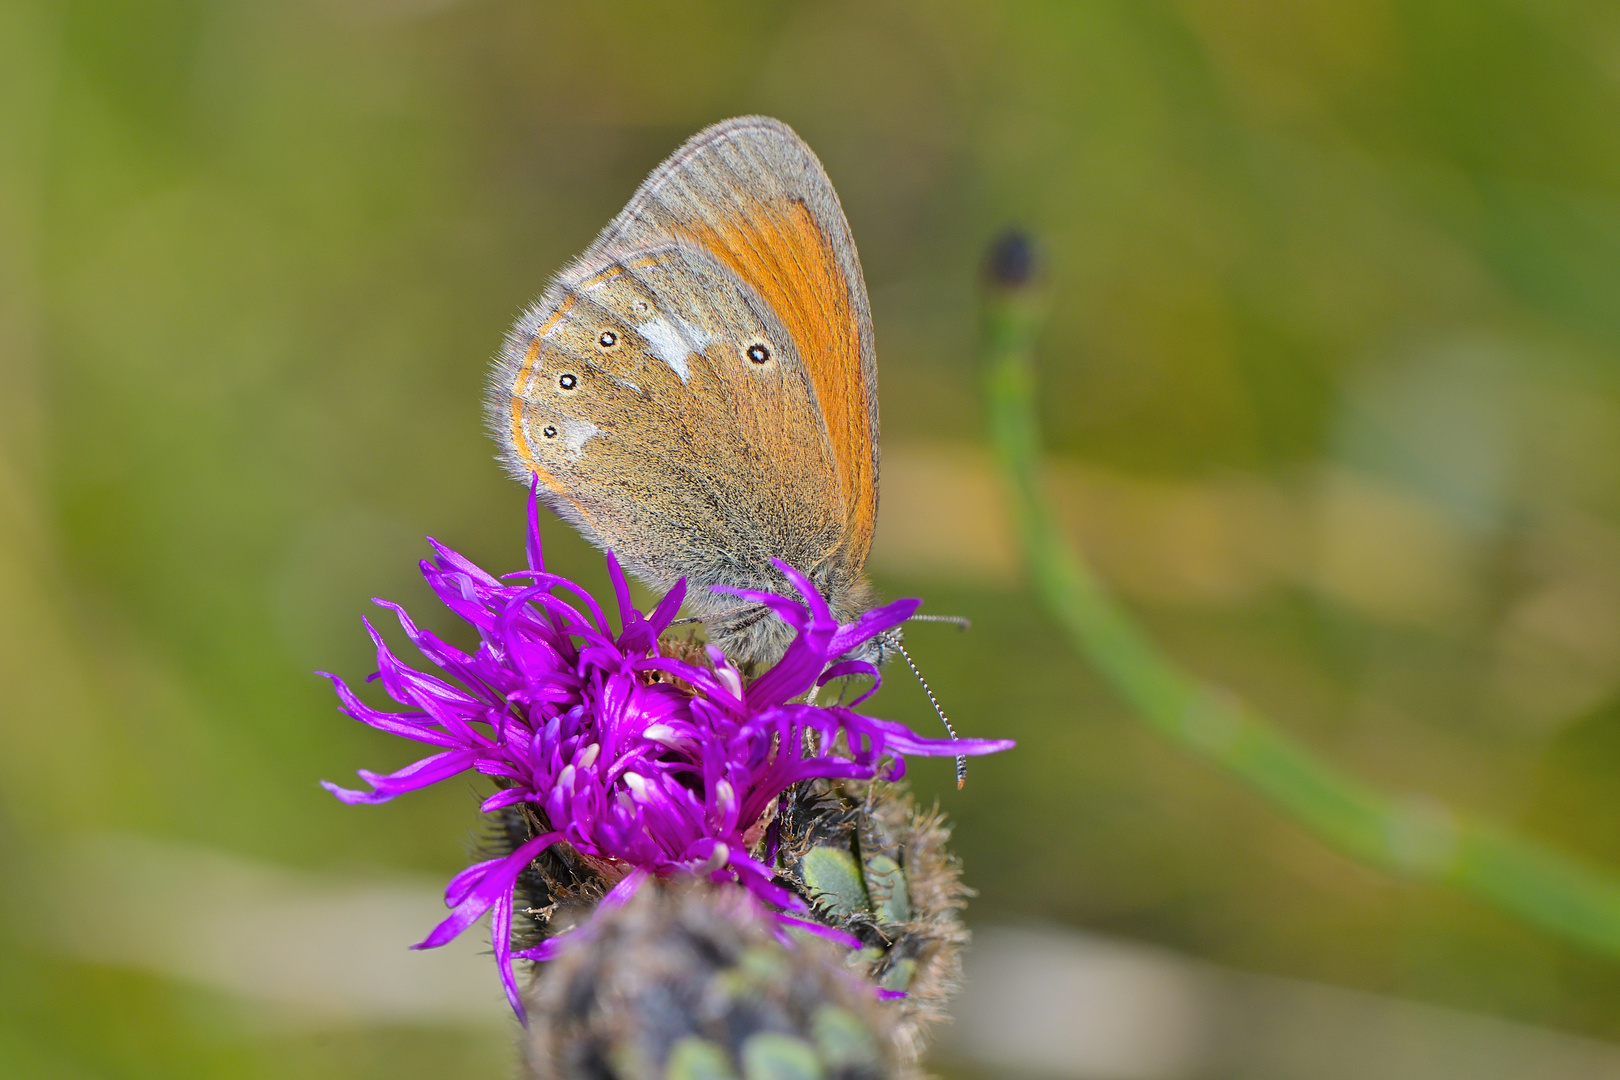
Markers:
point(729, 677)
point(659, 733)
point(637, 785)
point(717, 858)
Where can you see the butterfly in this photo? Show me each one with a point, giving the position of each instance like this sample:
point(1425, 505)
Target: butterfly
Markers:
point(698, 391)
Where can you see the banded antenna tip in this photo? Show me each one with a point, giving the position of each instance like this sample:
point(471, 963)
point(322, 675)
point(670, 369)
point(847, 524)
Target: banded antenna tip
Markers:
point(961, 760)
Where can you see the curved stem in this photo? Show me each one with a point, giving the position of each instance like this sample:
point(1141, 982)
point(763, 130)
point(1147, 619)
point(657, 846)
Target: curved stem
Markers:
point(1415, 838)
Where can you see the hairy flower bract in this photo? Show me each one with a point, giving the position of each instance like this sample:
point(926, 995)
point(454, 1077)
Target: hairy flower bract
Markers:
point(620, 761)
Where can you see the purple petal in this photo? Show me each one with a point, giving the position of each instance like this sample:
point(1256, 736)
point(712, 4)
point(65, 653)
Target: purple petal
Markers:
point(460, 564)
point(464, 882)
point(496, 880)
point(502, 798)
point(500, 937)
point(418, 774)
point(702, 678)
point(668, 607)
point(621, 593)
point(806, 590)
point(533, 547)
point(853, 667)
point(409, 725)
point(441, 654)
point(621, 893)
point(871, 624)
point(829, 933)
point(550, 948)
point(787, 610)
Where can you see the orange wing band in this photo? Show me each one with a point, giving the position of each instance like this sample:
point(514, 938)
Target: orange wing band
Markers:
point(785, 257)
point(520, 438)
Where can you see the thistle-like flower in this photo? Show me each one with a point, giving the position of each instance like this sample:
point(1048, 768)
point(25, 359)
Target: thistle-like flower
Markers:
point(642, 763)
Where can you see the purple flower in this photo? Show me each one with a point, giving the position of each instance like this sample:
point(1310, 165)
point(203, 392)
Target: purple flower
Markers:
point(622, 763)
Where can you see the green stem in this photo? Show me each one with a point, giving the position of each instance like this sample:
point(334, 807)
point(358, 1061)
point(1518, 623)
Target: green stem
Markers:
point(1414, 838)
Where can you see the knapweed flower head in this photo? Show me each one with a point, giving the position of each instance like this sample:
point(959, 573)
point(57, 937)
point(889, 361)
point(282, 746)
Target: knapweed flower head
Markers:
point(595, 731)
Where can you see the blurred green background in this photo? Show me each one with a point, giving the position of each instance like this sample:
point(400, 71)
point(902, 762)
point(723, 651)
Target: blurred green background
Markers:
point(1331, 384)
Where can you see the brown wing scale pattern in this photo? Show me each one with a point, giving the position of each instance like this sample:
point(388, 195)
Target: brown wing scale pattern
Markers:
point(698, 391)
point(669, 443)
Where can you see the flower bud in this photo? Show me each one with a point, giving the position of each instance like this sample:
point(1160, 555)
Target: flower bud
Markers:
point(874, 866)
point(690, 981)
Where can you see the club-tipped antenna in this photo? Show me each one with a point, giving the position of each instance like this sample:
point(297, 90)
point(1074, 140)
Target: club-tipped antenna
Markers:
point(958, 621)
point(961, 761)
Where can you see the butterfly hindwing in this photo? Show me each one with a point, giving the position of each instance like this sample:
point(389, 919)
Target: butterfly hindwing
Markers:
point(669, 444)
point(698, 390)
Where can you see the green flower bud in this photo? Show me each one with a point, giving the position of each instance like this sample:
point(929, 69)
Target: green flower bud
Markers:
point(874, 866)
point(689, 981)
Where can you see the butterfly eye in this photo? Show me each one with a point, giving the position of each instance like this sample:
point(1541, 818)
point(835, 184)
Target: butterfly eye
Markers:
point(568, 380)
point(549, 431)
point(608, 339)
point(758, 353)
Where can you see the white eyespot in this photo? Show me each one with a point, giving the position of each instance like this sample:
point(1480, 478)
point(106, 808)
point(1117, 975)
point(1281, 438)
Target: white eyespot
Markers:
point(567, 381)
point(608, 339)
point(758, 353)
point(549, 431)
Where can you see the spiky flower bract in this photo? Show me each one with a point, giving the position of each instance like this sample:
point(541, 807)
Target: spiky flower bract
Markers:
point(874, 864)
point(643, 763)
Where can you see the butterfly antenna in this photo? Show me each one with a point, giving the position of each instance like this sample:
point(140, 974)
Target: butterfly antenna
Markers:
point(961, 762)
point(955, 620)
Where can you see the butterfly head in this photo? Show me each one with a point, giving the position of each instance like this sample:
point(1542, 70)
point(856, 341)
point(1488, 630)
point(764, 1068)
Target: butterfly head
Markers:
point(881, 649)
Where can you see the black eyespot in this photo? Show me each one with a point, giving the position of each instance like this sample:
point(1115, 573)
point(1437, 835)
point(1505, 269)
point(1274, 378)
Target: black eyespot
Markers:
point(608, 339)
point(568, 380)
point(549, 431)
point(758, 353)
